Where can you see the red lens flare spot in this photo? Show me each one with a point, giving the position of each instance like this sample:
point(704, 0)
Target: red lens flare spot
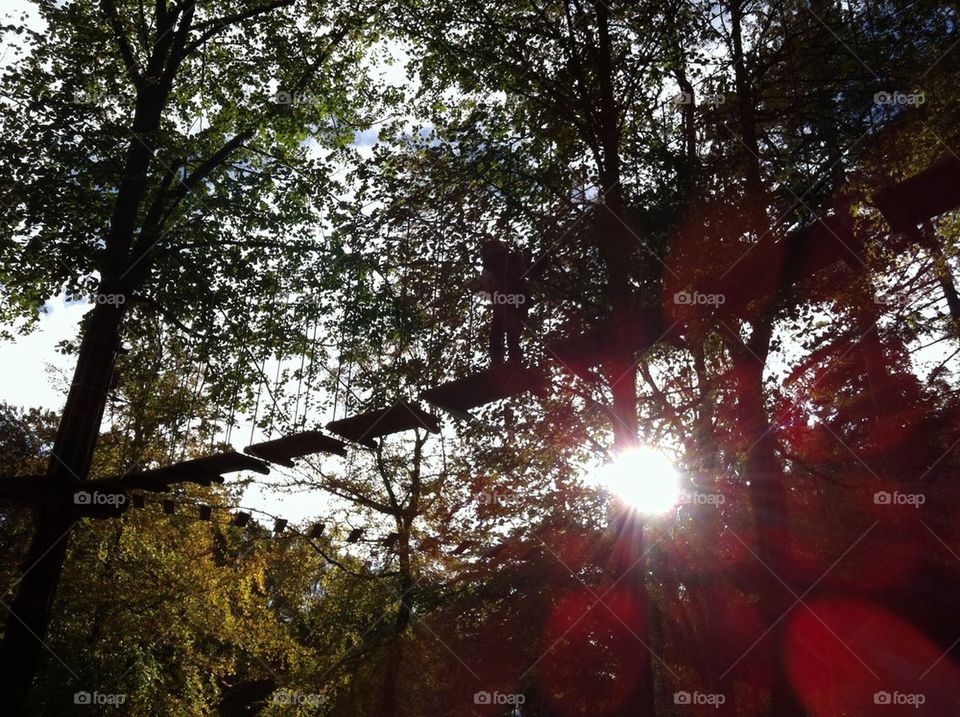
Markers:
point(847, 656)
point(592, 653)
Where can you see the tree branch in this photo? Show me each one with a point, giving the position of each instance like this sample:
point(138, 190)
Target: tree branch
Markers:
point(123, 44)
point(212, 27)
point(206, 168)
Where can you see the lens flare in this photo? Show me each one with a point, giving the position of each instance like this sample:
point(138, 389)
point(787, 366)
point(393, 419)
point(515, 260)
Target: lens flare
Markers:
point(642, 478)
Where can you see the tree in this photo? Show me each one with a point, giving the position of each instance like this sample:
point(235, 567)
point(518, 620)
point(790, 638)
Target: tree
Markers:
point(650, 151)
point(175, 177)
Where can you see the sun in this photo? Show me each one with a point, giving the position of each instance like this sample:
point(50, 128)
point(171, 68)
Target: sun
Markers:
point(642, 478)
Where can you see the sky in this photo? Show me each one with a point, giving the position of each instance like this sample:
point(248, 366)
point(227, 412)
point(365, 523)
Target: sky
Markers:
point(29, 361)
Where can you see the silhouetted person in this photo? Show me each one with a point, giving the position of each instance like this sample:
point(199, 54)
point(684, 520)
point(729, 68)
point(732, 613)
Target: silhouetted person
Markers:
point(505, 274)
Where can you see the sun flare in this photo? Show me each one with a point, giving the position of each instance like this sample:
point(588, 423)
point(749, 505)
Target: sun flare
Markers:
point(642, 478)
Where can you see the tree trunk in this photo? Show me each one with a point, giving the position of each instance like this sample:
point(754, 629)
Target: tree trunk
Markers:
point(767, 492)
point(762, 468)
point(388, 704)
point(616, 242)
point(80, 422)
point(941, 268)
point(29, 613)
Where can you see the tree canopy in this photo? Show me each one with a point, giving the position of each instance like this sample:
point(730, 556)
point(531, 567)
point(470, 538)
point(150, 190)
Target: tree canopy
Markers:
point(276, 211)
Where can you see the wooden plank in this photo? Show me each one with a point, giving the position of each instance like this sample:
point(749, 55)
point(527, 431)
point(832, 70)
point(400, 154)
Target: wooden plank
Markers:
point(200, 470)
point(204, 470)
point(283, 450)
point(825, 242)
point(402, 416)
point(923, 196)
point(774, 266)
point(429, 543)
point(578, 354)
point(354, 535)
point(478, 389)
point(464, 547)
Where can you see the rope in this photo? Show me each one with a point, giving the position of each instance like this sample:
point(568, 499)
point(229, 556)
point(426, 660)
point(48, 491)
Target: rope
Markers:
point(336, 385)
point(287, 527)
point(303, 359)
point(233, 412)
point(273, 396)
point(198, 387)
point(181, 390)
point(311, 372)
point(256, 405)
